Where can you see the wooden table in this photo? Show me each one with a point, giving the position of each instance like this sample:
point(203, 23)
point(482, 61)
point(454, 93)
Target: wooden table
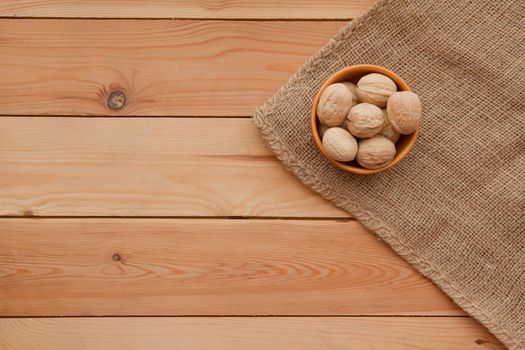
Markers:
point(133, 185)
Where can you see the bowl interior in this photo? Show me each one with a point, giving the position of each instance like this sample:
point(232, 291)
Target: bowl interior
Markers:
point(353, 74)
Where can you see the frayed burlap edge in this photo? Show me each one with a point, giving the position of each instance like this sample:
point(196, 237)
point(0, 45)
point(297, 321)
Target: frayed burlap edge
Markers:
point(369, 220)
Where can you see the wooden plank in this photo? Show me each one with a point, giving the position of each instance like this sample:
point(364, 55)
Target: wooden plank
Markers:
point(166, 68)
point(146, 167)
point(291, 333)
point(203, 9)
point(206, 267)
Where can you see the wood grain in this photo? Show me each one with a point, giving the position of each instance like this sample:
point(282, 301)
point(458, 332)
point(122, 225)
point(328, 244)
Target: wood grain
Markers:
point(206, 267)
point(261, 333)
point(67, 166)
point(165, 68)
point(205, 9)
point(146, 167)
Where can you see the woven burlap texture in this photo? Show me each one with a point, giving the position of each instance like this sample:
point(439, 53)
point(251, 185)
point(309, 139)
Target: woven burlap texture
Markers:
point(455, 207)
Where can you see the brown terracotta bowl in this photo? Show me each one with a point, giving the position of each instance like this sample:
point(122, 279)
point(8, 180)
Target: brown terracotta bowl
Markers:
point(353, 74)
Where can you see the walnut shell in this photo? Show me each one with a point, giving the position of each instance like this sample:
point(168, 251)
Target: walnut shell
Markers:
point(375, 88)
point(375, 152)
point(334, 104)
point(388, 131)
point(322, 128)
point(404, 112)
point(339, 144)
point(344, 125)
point(351, 87)
point(365, 120)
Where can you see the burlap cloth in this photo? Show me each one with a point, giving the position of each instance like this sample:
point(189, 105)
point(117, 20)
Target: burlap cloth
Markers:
point(455, 208)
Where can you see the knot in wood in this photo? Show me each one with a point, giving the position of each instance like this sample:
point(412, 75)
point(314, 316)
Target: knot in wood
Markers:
point(117, 99)
point(117, 257)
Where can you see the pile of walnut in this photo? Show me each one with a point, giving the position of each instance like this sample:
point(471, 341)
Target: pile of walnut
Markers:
point(347, 111)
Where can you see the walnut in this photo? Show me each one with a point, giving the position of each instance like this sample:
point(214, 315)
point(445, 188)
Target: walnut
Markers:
point(404, 112)
point(322, 128)
point(351, 87)
point(339, 144)
point(365, 120)
point(344, 125)
point(334, 104)
point(388, 131)
point(375, 88)
point(375, 152)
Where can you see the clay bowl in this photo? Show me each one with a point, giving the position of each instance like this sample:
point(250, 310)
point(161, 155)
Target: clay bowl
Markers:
point(353, 74)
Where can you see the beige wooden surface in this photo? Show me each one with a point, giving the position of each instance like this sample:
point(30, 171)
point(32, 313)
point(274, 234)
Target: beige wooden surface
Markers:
point(203, 9)
point(172, 206)
point(166, 68)
point(245, 333)
point(146, 167)
point(206, 266)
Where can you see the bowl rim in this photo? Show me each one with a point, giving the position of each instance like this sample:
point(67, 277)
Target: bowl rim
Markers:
point(410, 139)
